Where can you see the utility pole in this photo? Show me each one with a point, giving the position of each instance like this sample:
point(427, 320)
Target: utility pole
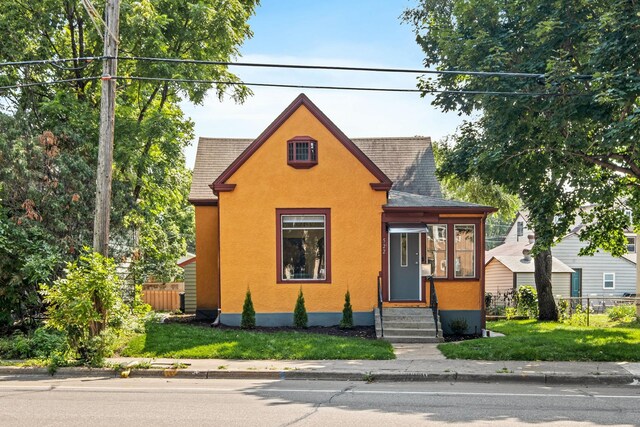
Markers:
point(107, 120)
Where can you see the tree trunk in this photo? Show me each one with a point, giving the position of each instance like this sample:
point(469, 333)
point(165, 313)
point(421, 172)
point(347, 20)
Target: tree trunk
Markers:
point(546, 305)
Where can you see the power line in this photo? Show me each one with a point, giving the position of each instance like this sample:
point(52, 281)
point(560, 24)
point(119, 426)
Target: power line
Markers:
point(333, 67)
point(350, 88)
point(53, 82)
point(49, 61)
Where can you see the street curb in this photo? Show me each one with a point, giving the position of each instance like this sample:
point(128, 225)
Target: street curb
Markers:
point(309, 375)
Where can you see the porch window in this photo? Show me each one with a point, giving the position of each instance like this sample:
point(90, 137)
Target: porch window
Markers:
point(608, 280)
point(303, 246)
point(437, 249)
point(465, 248)
point(302, 152)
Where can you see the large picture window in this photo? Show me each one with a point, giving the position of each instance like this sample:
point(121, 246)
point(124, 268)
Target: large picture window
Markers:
point(465, 248)
point(303, 245)
point(437, 249)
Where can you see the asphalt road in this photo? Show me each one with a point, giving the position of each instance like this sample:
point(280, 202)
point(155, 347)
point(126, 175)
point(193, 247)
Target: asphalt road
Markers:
point(177, 402)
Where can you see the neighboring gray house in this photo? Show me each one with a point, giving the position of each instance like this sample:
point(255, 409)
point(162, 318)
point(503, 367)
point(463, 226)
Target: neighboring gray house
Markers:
point(599, 275)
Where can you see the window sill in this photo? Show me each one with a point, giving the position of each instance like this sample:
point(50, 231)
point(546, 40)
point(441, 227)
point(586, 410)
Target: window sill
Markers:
point(302, 165)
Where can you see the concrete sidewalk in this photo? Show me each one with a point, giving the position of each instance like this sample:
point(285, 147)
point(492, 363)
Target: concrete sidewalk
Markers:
point(415, 362)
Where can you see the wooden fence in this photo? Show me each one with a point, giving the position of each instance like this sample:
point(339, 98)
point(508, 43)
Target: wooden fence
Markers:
point(162, 300)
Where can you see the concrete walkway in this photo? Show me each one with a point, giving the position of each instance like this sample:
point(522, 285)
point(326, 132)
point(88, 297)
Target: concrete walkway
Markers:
point(415, 362)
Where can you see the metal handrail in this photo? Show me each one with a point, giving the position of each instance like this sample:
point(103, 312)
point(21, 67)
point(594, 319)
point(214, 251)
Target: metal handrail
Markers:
point(433, 300)
point(380, 303)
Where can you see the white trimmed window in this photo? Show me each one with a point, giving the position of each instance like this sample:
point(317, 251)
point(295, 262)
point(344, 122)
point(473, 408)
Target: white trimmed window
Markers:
point(608, 280)
point(465, 250)
point(437, 249)
point(631, 245)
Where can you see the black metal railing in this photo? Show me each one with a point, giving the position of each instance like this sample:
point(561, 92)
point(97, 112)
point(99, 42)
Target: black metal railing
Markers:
point(380, 302)
point(433, 300)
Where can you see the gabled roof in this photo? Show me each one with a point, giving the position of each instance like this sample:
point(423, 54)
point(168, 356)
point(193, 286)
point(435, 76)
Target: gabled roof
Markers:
point(516, 264)
point(408, 162)
point(220, 184)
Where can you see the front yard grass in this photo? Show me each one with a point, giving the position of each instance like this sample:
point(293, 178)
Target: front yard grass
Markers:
point(175, 340)
point(532, 340)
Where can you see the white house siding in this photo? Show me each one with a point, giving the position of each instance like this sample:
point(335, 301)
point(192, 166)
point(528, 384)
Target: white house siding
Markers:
point(512, 235)
point(498, 278)
point(190, 288)
point(594, 266)
point(560, 282)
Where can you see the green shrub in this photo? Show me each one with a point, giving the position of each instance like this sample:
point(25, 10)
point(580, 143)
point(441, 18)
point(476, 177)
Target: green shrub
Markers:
point(621, 312)
point(42, 343)
point(86, 305)
point(527, 301)
point(579, 316)
point(563, 309)
point(347, 313)
point(248, 320)
point(300, 318)
point(510, 312)
point(488, 299)
point(458, 326)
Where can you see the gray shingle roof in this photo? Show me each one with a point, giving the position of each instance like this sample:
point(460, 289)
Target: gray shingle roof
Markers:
point(408, 162)
point(401, 199)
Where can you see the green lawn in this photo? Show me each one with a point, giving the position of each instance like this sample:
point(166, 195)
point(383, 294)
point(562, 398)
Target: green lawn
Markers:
point(533, 340)
point(197, 342)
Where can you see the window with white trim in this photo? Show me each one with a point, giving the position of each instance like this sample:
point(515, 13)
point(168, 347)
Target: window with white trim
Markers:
point(437, 249)
point(608, 280)
point(464, 246)
point(631, 245)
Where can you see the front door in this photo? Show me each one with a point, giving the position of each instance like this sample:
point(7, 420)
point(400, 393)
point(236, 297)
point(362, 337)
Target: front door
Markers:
point(404, 266)
point(576, 283)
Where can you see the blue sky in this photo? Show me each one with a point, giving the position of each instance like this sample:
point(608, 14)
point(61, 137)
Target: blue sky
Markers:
point(365, 33)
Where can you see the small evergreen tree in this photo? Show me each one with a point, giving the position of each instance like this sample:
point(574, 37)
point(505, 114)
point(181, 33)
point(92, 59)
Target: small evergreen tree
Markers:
point(300, 318)
point(248, 320)
point(347, 313)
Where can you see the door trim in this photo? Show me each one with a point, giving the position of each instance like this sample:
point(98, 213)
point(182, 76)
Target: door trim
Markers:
point(419, 278)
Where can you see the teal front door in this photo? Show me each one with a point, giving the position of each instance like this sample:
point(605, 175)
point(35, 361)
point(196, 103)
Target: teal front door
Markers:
point(404, 266)
point(576, 283)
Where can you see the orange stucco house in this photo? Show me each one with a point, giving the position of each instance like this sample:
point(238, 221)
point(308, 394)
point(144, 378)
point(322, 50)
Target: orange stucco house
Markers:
point(304, 206)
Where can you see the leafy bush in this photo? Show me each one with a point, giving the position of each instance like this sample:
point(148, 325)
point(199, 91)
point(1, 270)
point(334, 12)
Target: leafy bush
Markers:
point(347, 313)
point(41, 344)
point(621, 312)
point(527, 301)
point(87, 306)
point(510, 312)
point(563, 309)
point(579, 316)
point(300, 318)
point(248, 320)
point(488, 299)
point(458, 326)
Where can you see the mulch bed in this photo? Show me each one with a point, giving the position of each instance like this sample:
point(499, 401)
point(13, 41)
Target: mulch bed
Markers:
point(457, 338)
point(368, 332)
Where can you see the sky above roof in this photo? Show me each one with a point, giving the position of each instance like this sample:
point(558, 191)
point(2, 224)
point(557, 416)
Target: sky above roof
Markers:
point(364, 33)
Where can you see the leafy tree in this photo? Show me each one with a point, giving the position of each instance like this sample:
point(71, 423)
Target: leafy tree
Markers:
point(71, 305)
point(347, 313)
point(248, 320)
point(49, 134)
point(300, 318)
point(556, 151)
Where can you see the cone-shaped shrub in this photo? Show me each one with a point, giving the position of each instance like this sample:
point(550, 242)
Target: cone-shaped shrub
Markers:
point(248, 320)
point(347, 313)
point(300, 318)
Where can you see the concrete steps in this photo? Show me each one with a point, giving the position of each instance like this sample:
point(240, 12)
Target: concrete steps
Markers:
point(409, 325)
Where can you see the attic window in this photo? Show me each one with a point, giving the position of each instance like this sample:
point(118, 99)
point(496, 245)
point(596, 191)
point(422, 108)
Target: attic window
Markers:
point(302, 152)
